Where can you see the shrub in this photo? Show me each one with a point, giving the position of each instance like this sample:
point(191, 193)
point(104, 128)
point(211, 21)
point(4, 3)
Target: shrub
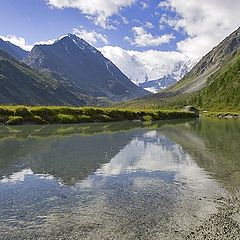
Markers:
point(147, 118)
point(65, 119)
point(69, 110)
point(5, 111)
point(92, 111)
point(23, 112)
point(46, 113)
point(14, 120)
point(38, 120)
point(103, 118)
point(84, 119)
point(116, 115)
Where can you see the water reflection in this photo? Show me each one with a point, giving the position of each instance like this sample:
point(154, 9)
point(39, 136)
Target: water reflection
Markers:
point(128, 181)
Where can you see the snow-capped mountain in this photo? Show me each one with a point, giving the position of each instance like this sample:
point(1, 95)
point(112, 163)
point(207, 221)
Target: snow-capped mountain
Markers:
point(152, 70)
point(178, 72)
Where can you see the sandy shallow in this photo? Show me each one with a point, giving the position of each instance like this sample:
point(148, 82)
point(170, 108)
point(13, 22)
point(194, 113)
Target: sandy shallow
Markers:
point(225, 224)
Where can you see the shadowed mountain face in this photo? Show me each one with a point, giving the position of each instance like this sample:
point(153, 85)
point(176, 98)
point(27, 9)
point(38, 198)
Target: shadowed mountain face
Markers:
point(13, 50)
point(19, 84)
point(83, 70)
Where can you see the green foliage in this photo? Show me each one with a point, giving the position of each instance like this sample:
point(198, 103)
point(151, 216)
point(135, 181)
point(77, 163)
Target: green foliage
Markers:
point(147, 118)
point(15, 120)
point(38, 120)
point(23, 112)
point(65, 119)
point(6, 111)
point(221, 94)
point(70, 115)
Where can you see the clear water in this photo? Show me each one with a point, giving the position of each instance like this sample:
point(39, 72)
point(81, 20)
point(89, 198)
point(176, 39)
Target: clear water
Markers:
point(115, 181)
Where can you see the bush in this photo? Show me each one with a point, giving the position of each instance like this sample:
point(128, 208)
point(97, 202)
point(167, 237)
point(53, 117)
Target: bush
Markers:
point(116, 115)
point(46, 113)
point(69, 110)
point(92, 111)
point(6, 112)
point(147, 118)
point(84, 119)
point(14, 120)
point(38, 120)
point(23, 112)
point(65, 119)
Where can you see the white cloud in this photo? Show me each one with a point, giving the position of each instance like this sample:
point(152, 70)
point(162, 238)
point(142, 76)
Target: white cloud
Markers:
point(19, 41)
point(139, 65)
point(206, 23)
point(149, 25)
point(144, 39)
point(144, 5)
point(91, 37)
point(97, 10)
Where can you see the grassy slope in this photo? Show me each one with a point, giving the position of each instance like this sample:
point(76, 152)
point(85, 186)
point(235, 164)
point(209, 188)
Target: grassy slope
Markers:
point(64, 115)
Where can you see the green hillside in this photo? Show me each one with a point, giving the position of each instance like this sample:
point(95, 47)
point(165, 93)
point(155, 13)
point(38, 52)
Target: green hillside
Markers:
point(213, 84)
point(221, 94)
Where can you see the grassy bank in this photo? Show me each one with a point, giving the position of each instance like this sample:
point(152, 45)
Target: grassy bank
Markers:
point(15, 115)
point(227, 114)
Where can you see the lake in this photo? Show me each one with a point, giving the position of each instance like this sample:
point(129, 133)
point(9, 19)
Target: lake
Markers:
point(126, 180)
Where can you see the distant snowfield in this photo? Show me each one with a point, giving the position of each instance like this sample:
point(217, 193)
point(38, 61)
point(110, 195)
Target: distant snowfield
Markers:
point(142, 67)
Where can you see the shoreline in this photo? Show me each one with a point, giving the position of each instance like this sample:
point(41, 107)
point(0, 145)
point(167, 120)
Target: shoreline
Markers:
point(222, 115)
point(20, 115)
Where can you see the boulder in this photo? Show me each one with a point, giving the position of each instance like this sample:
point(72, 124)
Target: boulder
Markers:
point(192, 109)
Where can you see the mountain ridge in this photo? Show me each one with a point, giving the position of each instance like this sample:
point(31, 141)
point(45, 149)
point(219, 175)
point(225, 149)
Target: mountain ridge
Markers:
point(19, 84)
point(13, 50)
point(83, 69)
point(212, 84)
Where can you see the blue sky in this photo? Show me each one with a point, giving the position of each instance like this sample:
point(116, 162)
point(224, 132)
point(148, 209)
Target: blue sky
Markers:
point(142, 37)
point(36, 20)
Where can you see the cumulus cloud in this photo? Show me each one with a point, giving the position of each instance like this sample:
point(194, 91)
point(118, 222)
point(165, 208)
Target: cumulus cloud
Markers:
point(97, 10)
point(206, 23)
point(19, 41)
point(139, 66)
point(143, 39)
point(91, 37)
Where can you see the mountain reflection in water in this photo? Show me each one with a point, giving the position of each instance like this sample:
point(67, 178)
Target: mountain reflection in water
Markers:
point(119, 181)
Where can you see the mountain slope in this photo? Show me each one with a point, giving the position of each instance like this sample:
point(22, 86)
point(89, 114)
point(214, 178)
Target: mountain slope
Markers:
point(19, 84)
point(197, 78)
point(223, 91)
point(83, 69)
point(13, 50)
point(213, 84)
